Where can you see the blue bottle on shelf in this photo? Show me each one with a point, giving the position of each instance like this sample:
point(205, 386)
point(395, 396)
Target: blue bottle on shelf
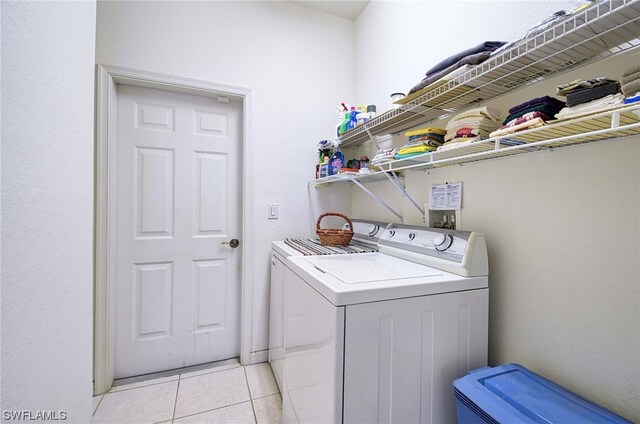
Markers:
point(353, 120)
point(336, 161)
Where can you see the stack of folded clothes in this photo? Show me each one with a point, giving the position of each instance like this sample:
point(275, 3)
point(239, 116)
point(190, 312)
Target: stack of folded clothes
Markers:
point(383, 156)
point(421, 141)
point(469, 126)
point(431, 136)
point(472, 56)
point(611, 101)
point(530, 114)
point(631, 84)
point(589, 96)
point(583, 91)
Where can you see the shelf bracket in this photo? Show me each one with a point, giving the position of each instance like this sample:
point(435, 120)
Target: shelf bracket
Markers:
point(377, 198)
point(394, 179)
point(371, 137)
point(615, 120)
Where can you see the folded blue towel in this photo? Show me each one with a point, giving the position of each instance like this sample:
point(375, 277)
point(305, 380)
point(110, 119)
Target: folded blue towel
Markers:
point(631, 100)
point(408, 155)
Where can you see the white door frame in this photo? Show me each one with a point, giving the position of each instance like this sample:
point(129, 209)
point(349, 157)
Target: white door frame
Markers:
point(105, 206)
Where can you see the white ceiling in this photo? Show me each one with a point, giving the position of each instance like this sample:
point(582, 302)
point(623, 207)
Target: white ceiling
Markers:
point(349, 9)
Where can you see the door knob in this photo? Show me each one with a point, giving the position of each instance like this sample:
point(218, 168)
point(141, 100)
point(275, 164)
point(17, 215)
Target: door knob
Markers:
point(233, 243)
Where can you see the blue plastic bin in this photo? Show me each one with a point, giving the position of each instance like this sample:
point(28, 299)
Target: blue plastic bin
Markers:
point(512, 394)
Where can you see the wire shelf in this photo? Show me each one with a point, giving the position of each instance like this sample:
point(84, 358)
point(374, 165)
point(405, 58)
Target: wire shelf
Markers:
point(606, 28)
point(607, 125)
point(349, 178)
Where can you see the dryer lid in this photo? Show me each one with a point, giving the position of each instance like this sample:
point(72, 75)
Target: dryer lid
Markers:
point(371, 267)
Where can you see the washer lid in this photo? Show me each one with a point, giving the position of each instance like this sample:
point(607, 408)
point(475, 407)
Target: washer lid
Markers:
point(370, 267)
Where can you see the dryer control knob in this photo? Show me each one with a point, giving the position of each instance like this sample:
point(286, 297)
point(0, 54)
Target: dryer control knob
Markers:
point(443, 242)
point(392, 233)
point(412, 236)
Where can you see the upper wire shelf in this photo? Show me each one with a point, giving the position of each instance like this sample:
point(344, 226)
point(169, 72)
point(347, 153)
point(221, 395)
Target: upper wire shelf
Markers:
point(606, 28)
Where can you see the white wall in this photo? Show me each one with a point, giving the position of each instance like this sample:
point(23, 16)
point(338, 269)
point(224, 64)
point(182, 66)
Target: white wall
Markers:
point(397, 41)
point(47, 207)
point(562, 227)
point(298, 64)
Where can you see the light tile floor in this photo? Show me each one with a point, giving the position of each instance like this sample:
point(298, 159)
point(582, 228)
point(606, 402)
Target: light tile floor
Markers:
point(228, 393)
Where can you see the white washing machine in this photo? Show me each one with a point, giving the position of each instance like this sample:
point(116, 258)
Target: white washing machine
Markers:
point(380, 337)
point(365, 239)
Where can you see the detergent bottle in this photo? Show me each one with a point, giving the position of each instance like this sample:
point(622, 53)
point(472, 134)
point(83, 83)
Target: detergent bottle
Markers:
point(337, 159)
point(345, 123)
point(353, 121)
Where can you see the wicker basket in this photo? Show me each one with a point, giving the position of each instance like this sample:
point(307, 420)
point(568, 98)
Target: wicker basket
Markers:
point(332, 237)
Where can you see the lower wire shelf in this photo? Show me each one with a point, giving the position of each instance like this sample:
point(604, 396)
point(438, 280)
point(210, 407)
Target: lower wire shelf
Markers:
point(607, 125)
point(360, 179)
point(350, 178)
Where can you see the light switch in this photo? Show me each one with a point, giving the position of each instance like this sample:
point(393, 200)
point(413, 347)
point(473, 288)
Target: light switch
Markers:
point(272, 212)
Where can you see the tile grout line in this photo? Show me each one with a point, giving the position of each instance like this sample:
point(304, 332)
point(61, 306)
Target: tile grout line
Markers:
point(175, 402)
point(211, 410)
point(179, 379)
point(224, 406)
point(266, 396)
point(253, 408)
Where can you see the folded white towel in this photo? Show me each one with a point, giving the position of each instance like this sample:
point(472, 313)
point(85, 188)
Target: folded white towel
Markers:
point(599, 105)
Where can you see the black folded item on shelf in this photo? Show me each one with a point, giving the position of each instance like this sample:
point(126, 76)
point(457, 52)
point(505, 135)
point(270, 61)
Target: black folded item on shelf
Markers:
point(473, 59)
point(545, 104)
point(487, 46)
point(581, 84)
point(538, 101)
point(585, 95)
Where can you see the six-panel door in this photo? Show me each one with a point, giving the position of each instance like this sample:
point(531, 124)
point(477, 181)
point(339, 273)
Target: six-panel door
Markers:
point(178, 198)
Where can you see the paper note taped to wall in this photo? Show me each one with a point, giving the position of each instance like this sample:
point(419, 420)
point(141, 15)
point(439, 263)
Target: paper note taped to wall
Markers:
point(446, 196)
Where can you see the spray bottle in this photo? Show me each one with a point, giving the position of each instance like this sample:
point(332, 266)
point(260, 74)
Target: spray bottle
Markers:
point(341, 111)
point(346, 118)
point(337, 159)
point(324, 150)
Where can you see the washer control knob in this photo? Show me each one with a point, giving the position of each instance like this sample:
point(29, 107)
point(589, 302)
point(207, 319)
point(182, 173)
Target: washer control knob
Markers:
point(442, 242)
point(392, 233)
point(373, 230)
point(412, 236)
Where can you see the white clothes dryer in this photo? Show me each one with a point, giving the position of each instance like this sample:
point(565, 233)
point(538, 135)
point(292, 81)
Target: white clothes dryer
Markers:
point(365, 239)
point(380, 337)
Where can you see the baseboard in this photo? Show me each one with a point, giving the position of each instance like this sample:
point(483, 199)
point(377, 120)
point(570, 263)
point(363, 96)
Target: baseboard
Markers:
point(260, 356)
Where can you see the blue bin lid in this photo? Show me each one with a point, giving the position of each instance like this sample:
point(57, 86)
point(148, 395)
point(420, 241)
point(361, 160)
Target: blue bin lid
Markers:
point(512, 393)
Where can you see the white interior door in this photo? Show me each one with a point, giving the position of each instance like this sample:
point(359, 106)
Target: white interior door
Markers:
point(178, 198)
